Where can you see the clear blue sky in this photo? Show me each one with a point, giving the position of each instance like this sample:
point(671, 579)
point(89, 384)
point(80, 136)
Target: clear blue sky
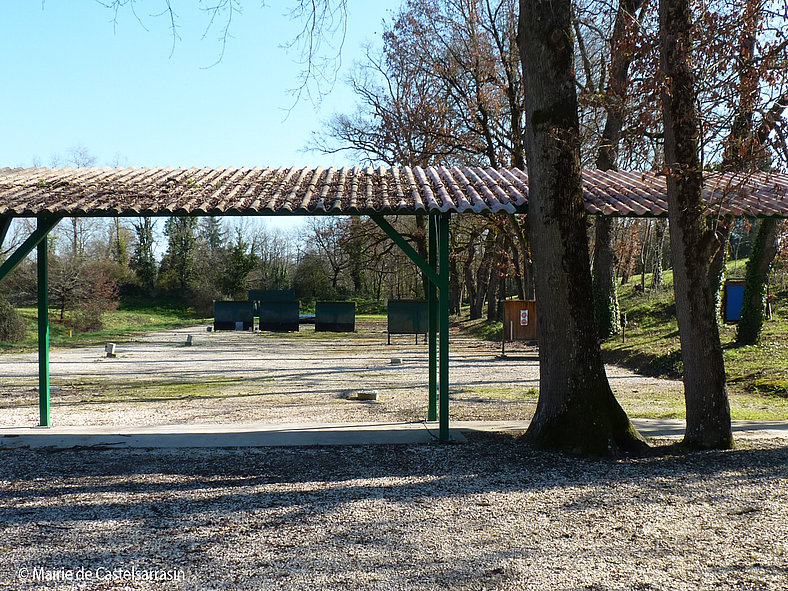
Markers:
point(73, 78)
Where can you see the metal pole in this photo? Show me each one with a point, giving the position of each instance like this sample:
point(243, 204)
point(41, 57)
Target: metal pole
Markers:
point(443, 303)
point(432, 307)
point(43, 333)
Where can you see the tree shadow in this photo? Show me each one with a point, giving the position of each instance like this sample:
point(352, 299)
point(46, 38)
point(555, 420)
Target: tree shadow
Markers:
point(369, 501)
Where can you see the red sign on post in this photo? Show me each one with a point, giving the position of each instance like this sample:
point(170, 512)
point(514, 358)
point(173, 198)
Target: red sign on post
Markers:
point(523, 317)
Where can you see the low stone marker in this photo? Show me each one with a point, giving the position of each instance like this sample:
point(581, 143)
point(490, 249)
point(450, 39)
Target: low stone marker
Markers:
point(189, 340)
point(109, 350)
point(367, 395)
point(396, 361)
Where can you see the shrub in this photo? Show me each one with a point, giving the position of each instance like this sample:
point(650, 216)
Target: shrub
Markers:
point(12, 326)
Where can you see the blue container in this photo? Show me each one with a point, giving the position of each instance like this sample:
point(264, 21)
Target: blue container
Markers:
point(733, 300)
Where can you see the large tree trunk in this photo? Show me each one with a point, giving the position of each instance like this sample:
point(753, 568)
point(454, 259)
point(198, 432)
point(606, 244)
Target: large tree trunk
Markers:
point(753, 310)
point(576, 410)
point(745, 151)
point(708, 410)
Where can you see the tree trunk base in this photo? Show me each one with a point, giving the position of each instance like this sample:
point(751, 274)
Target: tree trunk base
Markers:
point(702, 440)
point(578, 432)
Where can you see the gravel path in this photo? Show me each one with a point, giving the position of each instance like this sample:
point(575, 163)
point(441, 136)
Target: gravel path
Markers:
point(488, 514)
point(232, 377)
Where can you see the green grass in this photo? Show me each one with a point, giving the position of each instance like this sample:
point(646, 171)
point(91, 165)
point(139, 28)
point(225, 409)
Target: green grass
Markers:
point(652, 344)
point(511, 393)
point(131, 318)
point(757, 375)
point(371, 317)
point(662, 404)
point(482, 328)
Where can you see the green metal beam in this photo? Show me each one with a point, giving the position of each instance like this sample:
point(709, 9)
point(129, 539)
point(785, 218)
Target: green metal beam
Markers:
point(443, 286)
point(43, 227)
point(406, 248)
point(432, 308)
point(5, 223)
point(43, 331)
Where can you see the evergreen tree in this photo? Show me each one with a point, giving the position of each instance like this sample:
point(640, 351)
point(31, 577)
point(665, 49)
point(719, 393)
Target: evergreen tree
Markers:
point(143, 261)
point(178, 265)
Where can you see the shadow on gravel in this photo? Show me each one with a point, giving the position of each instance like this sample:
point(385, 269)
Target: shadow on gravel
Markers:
point(100, 485)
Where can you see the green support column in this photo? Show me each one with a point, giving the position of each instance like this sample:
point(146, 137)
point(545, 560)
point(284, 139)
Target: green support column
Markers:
point(441, 280)
point(43, 333)
point(432, 306)
point(443, 303)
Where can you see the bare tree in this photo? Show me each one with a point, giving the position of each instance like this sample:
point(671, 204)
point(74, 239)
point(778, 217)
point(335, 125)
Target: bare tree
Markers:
point(604, 278)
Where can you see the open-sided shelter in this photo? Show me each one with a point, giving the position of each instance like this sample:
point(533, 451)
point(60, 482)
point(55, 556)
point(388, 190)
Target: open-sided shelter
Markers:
point(48, 195)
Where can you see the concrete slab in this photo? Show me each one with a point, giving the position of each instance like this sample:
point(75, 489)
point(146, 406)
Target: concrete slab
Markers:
point(308, 434)
point(647, 427)
point(217, 436)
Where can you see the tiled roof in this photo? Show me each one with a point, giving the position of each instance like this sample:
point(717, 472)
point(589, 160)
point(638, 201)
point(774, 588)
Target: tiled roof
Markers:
point(250, 191)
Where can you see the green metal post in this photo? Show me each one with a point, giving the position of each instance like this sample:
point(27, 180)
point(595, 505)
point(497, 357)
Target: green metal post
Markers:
point(43, 333)
point(432, 307)
point(443, 303)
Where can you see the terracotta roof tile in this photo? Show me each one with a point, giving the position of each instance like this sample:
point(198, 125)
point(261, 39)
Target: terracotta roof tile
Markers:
point(208, 191)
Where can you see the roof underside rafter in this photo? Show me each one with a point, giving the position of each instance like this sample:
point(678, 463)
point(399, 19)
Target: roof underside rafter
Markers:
point(96, 192)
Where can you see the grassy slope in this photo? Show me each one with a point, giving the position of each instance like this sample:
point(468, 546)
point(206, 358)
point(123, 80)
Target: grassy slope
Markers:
point(652, 342)
point(757, 375)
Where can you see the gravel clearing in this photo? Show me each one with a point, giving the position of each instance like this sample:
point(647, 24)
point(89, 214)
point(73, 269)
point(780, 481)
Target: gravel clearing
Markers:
point(230, 377)
point(488, 514)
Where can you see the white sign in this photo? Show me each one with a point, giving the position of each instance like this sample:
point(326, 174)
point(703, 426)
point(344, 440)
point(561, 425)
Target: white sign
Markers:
point(523, 317)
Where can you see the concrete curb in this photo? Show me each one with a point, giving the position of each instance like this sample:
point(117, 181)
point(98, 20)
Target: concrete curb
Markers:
point(310, 434)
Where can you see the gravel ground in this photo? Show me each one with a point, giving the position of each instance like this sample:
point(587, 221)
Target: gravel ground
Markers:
point(488, 514)
point(233, 377)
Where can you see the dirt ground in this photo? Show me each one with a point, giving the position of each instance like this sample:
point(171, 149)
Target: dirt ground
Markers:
point(230, 377)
